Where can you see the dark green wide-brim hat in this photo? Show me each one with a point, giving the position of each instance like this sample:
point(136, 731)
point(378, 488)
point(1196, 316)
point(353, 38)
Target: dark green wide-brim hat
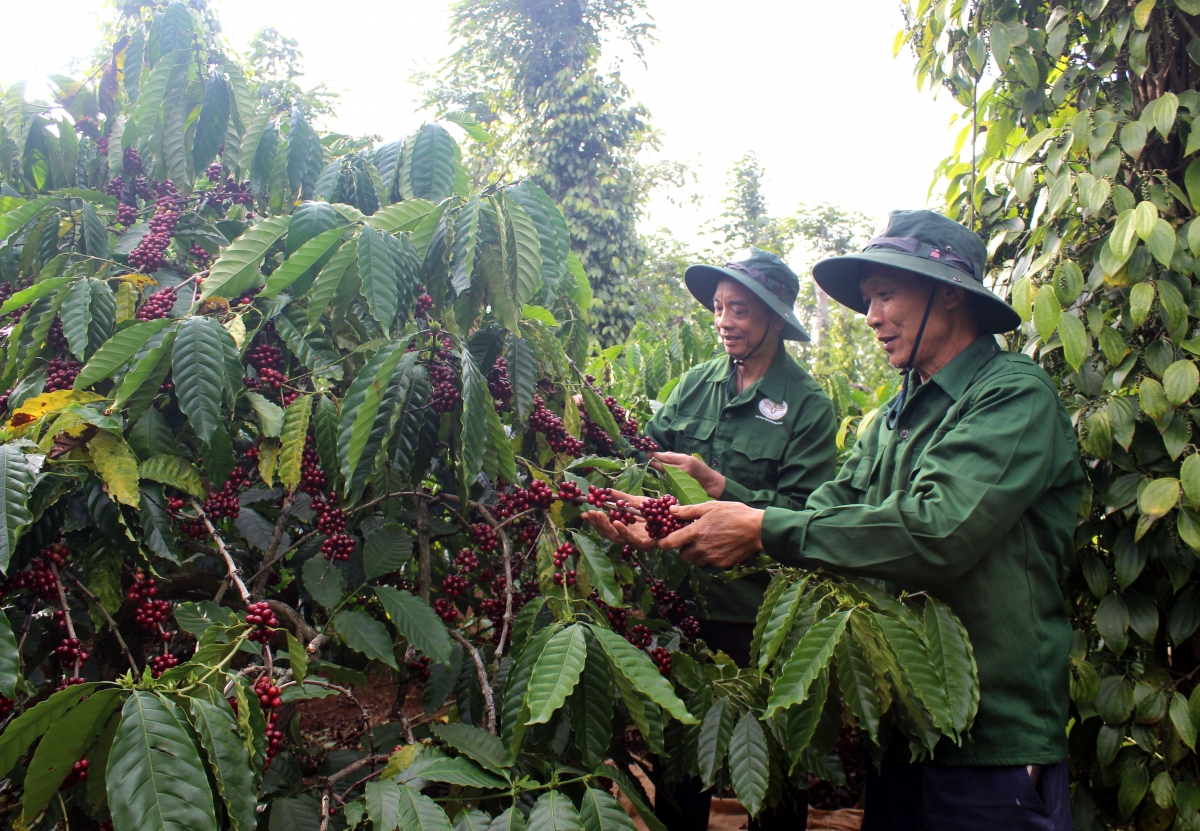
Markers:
point(764, 274)
point(927, 244)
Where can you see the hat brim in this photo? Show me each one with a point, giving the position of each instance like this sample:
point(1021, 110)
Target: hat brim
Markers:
point(839, 277)
point(701, 281)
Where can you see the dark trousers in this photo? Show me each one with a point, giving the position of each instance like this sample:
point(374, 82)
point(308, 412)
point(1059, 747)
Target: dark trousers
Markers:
point(916, 797)
point(692, 803)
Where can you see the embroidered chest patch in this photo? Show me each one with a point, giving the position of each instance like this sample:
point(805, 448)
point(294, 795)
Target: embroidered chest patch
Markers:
point(772, 410)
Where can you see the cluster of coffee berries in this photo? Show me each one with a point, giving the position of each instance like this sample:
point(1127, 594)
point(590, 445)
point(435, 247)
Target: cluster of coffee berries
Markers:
point(268, 361)
point(158, 305)
point(628, 552)
point(484, 537)
point(88, 126)
point(150, 611)
point(60, 374)
point(331, 521)
point(55, 339)
point(466, 560)
point(674, 608)
point(618, 619)
point(424, 303)
point(148, 257)
point(445, 610)
point(70, 651)
point(199, 254)
point(78, 774)
point(445, 395)
point(639, 635)
point(567, 577)
point(115, 186)
point(542, 420)
point(127, 214)
point(214, 172)
point(269, 698)
point(261, 615)
point(312, 476)
point(662, 659)
point(454, 584)
point(659, 520)
point(70, 681)
point(498, 383)
point(131, 162)
point(569, 492)
point(161, 663)
point(421, 668)
point(57, 553)
point(619, 510)
point(39, 578)
point(594, 433)
point(562, 553)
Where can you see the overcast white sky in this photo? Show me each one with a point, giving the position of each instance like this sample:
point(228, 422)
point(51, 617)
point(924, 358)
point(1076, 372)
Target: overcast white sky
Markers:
point(811, 87)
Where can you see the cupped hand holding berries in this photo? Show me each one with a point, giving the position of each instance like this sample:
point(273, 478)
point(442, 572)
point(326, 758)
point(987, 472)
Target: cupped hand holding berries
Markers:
point(712, 481)
point(721, 534)
point(634, 534)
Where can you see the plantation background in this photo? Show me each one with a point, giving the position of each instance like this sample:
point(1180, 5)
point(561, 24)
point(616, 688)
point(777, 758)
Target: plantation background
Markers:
point(291, 411)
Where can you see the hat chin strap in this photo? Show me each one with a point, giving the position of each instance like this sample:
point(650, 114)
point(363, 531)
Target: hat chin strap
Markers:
point(893, 413)
point(738, 363)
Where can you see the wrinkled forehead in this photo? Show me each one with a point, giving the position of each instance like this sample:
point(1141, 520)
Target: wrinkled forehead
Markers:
point(731, 291)
point(876, 278)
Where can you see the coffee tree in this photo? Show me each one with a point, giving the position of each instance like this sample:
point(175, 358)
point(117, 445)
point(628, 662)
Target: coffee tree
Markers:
point(288, 415)
point(1077, 164)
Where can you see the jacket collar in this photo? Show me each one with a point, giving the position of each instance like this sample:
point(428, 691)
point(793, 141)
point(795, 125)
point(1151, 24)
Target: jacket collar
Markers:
point(956, 376)
point(773, 384)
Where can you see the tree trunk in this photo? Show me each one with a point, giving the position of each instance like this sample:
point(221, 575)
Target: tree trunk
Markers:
point(822, 328)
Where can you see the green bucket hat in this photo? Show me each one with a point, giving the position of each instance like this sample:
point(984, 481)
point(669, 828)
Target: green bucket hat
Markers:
point(925, 243)
point(764, 274)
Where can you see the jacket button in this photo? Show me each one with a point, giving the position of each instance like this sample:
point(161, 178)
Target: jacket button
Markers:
point(904, 434)
point(716, 462)
point(728, 415)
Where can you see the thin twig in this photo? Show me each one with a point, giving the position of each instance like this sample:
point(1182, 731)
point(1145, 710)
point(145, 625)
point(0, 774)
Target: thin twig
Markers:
point(302, 628)
point(424, 573)
point(506, 546)
point(112, 624)
point(235, 573)
point(62, 599)
point(481, 671)
point(259, 581)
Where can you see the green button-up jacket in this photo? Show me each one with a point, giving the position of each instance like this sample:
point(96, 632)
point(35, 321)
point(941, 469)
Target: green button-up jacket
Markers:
point(774, 443)
point(972, 497)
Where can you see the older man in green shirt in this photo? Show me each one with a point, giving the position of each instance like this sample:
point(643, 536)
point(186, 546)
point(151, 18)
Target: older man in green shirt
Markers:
point(752, 427)
point(968, 488)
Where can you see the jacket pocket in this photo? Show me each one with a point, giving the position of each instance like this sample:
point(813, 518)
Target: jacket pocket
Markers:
point(861, 479)
point(760, 445)
point(697, 435)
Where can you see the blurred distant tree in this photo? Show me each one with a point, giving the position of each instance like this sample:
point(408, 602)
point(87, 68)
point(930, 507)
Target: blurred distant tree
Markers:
point(529, 71)
point(746, 221)
point(272, 67)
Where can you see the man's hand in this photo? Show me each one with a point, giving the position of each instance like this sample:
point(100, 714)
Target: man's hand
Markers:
point(634, 535)
point(722, 534)
point(709, 479)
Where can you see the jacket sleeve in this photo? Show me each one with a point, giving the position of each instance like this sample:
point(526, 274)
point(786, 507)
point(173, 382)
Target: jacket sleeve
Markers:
point(808, 462)
point(971, 486)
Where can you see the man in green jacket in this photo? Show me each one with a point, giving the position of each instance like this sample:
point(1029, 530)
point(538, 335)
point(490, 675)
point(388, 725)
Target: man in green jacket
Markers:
point(968, 488)
point(752, 427)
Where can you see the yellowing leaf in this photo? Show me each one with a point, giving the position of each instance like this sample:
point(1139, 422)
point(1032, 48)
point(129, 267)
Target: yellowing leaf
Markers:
point(174, 471)
point(46, 403)
point(117, 466)
point(1158, 498)
point(139, 281)
point(236, 327)
point(268, 460)
point(293, 435)
point(1141, 297)
point(1189, 476)
point(1141, 13)
point(1180, 382)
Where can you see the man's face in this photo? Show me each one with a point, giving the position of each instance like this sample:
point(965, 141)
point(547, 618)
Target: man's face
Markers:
point(896, 303)
point(742, 319)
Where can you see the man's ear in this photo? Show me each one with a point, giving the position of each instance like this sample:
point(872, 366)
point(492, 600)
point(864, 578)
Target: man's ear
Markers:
point(777, 324)
point(953, 296)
